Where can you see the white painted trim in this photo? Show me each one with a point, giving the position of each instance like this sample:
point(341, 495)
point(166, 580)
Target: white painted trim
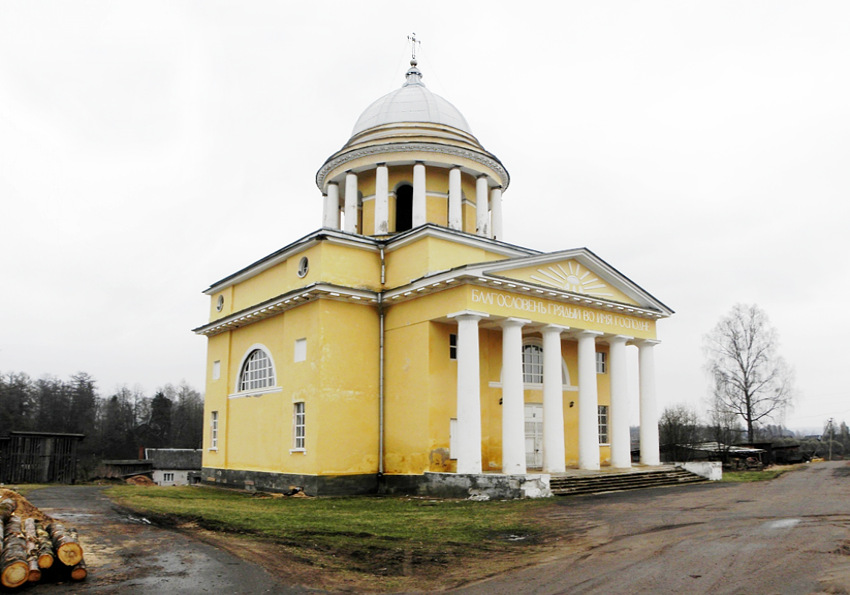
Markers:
point(283, 303)
point(535, 386)
point(256, 393)
point(586, 258)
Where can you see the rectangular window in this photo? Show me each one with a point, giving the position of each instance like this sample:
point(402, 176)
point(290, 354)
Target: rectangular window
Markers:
point(214, 429)
point(298, 427)
point(532, 364)
point(601, 362)
point(603, 424)
point(216, 369)
point(452, 346)
point(300, 350)
point(168, 477)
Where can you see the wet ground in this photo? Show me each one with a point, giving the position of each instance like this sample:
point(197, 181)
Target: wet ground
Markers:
point(126, 554)
point(789, 535)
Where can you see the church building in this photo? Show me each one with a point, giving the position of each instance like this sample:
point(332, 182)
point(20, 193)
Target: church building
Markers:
point(405, 346)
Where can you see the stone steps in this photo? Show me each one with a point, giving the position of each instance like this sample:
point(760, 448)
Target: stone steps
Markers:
point(566, 485)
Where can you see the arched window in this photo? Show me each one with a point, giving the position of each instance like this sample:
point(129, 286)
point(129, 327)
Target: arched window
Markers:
point(257, 372)
point(532, 364)
point(404, 207)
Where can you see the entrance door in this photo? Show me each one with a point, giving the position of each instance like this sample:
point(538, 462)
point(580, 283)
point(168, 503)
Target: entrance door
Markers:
point(534, 435)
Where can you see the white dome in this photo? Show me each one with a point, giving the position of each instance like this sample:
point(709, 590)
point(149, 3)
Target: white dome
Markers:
point(413, 102)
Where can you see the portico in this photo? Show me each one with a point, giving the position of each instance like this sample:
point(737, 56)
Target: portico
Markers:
point(514, 366)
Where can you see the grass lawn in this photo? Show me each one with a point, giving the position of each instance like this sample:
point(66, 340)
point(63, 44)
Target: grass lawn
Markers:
point(747, 476)
point(369, 535)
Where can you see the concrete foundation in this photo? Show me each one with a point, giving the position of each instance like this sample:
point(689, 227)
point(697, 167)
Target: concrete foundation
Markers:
point(489, 486)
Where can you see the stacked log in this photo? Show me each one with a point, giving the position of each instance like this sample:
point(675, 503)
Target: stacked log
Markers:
point(13, 558)
point(28, 546)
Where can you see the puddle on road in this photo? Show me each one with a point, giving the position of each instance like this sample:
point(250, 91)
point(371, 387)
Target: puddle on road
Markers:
point(781, 524)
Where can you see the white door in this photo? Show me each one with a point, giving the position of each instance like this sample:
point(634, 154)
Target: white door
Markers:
point(534, 435)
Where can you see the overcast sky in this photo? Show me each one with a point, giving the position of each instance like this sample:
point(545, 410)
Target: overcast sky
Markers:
point(148, 149)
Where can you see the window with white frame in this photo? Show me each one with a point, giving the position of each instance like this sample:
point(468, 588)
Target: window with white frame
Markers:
point(532, 364)
point(216, 369)
point(214, 429)
point(257, 371)
point(298, 427)
point(601, 362)
point(452, 346)
point(603, 424)
point(168, 476)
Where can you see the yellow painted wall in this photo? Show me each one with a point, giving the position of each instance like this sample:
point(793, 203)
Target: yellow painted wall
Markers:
point(347, 266)
point(407, 401)
point(345, 419)
point(427, 255)
point(337, 382)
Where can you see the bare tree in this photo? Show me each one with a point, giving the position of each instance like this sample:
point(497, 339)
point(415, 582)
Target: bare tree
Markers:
point(750, 379)
point(678, 431)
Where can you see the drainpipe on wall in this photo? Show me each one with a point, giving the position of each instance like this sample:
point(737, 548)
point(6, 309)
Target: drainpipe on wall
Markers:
point(381, 368)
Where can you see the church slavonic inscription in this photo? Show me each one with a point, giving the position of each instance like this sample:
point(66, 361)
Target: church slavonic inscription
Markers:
point(566, 313)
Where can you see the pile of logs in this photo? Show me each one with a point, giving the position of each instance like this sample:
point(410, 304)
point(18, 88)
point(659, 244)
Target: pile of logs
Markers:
point(29, 546)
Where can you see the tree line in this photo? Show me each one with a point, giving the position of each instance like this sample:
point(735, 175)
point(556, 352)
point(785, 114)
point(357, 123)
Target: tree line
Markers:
point(115, 426)
point(680, 427)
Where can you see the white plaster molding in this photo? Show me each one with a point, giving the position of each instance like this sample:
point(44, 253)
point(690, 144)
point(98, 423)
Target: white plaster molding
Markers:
point(382, 149)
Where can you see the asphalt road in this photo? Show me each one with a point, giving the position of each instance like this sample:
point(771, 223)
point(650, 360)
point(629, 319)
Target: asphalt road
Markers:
point(127, 555)
point(790, 535)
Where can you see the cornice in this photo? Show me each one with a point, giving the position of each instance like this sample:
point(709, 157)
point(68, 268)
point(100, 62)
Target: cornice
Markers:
point(484, 159)
point(284, 302)
point(473, 276)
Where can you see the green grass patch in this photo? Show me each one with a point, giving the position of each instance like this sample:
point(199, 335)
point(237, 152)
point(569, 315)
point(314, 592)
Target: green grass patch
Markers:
point(384, 535)
point(764, 475)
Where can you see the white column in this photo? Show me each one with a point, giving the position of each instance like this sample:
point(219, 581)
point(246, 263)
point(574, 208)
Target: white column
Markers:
point(351, 202)
point(419, 203)
point(330, 215)
point(588, 402)
point(649, 452)
point(468, 392)
point(553, 401)
point(513, 406)
point(618, 415)
point(496, 206)
point(482, 210)
point(382, 200)
point(455, 199)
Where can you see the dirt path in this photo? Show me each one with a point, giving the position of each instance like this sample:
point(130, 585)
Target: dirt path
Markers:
point(127, 555)
point(790, 535)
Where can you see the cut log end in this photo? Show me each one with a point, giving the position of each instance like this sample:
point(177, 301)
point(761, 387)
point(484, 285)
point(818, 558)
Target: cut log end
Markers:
point(15, 574)
point(79, 572)
point(45, 561)
point(34, 574)
point(70, 554)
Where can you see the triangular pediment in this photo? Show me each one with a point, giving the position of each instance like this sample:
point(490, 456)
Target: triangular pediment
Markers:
point(577, 271)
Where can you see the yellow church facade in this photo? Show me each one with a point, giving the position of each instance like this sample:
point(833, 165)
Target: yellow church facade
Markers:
point(406, 347)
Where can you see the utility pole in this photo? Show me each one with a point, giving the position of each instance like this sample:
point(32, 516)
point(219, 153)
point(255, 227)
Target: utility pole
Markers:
point(831, 437)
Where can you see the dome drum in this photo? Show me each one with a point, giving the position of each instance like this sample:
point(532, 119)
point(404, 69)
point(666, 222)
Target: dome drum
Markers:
point(406, 128)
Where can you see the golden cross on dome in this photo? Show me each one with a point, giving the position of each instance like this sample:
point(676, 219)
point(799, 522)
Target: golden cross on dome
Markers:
point(413, 43)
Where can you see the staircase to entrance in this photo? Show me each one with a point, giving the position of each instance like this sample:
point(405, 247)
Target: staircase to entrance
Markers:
point(599, 482)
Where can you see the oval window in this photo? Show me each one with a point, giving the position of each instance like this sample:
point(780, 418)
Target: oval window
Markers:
point(303, 266)
point(220, 303)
